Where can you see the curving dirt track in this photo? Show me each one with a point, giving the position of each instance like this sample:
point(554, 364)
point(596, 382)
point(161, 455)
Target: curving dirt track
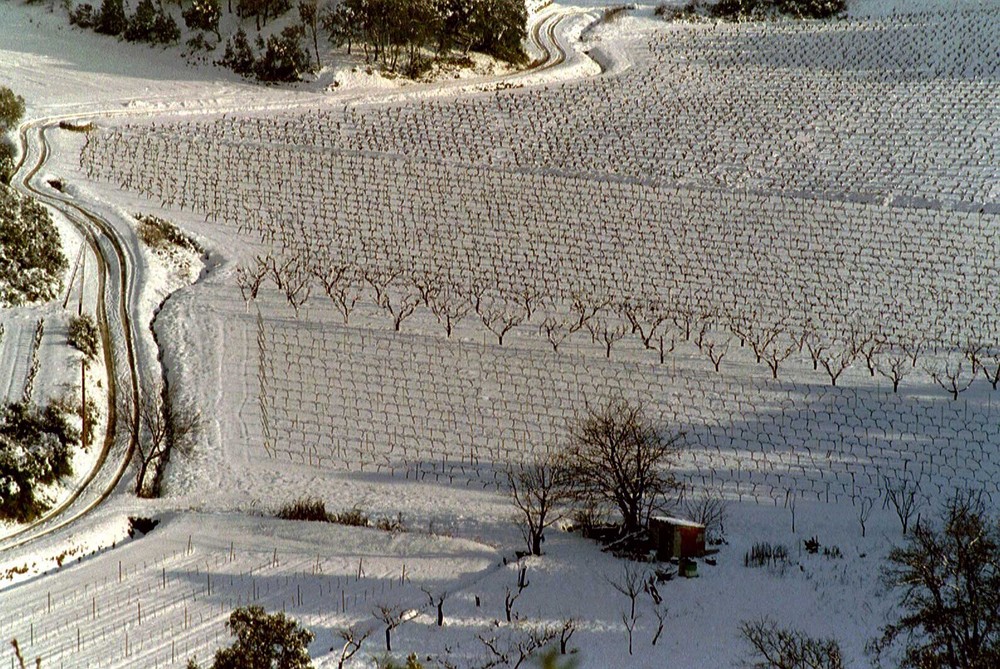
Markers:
point(115, 289)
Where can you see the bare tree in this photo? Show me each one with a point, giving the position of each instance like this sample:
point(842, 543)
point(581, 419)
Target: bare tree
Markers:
point(556, 331)
point(989, 363)
point(392, 616)
point(530, 298)
point(450, 305)
point(864, 506)
point(538, 488)
point(500, 315)
point(867, 343)
point(778, 350)
point(708, 507)
point(902, 495)
point(836, 361)
point(585, 306)
point(427, 285)
point(293, 277)
point(652, 320)
point(913, 347)
point(649, 318)
point(954, 374)
point(631, 583)
point(509, 598)
point(895, 366)
point(566, 633)
point(157, 428)
point(353, 637)
point(606, 327)
point(629, 624)
point(511, 646)
point(759, 335)
point(773, 647)
point(617, 454)
point(714, 348)
point(437, 600)
point(660, 612)
point(815, 344)
point(330, 275)
point(400, 304)
point(250, 278)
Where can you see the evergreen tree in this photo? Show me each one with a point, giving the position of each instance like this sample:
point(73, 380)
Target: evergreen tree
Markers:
point(143, 22)
point(204, 15)
point(239, 56)
point(283, 58)
point(112, 19)
point(165, 29)
point(264, 641)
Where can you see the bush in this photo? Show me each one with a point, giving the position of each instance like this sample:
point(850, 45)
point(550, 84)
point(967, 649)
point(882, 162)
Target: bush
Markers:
point(151, 24)
point(735, 10)
point(140, 525)
point(352, 517)
point(764, 554)
point(31, 259)
point(160, 234)
point(7, 153)
point(83, 335)
point(612, 14)
point(683, 13)
point(35, 450)
point(500, 29)
point(307, 508)
point(389, 524)
point(11, 109)
point(772, 646)
point(812, 9)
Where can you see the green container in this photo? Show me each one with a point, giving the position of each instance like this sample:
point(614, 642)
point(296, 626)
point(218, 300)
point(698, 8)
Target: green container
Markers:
point(689, 569)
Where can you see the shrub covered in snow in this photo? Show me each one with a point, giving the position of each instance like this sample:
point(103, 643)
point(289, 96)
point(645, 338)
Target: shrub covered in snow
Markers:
point(31, 258)
point(83, 335)
point(34, 450)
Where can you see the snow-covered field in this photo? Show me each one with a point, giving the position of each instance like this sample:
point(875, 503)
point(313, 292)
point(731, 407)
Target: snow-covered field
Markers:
point(834, 185)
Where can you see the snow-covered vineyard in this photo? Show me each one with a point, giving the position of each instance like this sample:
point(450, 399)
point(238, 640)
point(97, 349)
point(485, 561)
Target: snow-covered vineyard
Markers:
point(781, 238)
point(553, 252)
point(879, 109)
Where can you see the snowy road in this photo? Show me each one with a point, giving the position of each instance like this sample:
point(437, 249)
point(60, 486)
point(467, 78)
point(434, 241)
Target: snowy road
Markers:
point(117, 292)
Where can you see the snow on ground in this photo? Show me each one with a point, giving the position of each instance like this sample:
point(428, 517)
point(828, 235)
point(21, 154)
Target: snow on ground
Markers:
point(385, 421)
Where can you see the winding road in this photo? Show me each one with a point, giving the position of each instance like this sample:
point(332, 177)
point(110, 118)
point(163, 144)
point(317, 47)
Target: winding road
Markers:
point(119, 288)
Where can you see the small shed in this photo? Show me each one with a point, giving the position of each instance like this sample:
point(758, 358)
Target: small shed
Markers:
point(676, 537)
